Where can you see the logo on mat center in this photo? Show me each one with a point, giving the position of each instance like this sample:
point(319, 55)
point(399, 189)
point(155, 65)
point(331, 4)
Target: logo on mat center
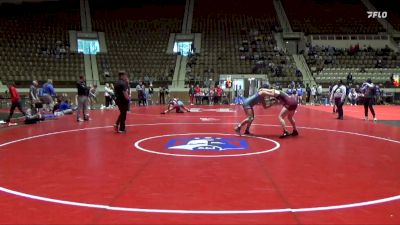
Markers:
point(207, 143)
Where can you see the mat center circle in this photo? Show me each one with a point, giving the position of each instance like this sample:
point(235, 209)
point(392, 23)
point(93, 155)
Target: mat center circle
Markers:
point(206, 145)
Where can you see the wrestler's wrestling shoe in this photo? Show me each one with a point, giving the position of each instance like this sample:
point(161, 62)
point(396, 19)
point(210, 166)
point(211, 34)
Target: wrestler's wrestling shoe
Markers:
point(285, 134)
point(237, 130)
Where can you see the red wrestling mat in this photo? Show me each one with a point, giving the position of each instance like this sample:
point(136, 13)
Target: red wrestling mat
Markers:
point(192, 169)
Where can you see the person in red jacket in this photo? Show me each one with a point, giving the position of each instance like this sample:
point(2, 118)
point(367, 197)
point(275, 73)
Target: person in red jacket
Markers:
point(15, 101)
point(219, 93)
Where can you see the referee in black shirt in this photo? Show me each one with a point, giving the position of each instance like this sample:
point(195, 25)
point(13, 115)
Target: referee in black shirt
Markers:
point(122, 100)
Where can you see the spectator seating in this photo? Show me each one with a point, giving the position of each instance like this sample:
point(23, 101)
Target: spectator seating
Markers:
point(319, 58)
point(34, 42)
point(377, 75)
point(137, 34)
point(329, 64)
point(234, 41)
point(330, 17)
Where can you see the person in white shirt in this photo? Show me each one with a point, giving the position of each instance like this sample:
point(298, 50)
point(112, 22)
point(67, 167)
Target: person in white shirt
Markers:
point(108, 92)
point(338, 96)
point(313, 94)
point(319, 93)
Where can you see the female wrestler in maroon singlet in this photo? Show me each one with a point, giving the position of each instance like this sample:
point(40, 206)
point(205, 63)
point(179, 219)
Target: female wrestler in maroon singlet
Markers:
point(289, 109)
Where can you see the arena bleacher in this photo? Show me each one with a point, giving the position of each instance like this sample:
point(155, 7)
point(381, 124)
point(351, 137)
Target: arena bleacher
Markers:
point(329, 64)
point(237, 38)
point(330, 17)
point(34, 42)
point(235, 41)
point(137, 34)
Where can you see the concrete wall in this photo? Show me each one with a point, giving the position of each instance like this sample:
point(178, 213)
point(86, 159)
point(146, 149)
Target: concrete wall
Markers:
point(73, 41)
point(102, 42)
point(197, 42)
point(375, 41)
point(171, 41)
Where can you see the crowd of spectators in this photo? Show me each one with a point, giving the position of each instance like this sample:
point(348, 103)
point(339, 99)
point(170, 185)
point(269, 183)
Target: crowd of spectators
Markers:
point(210, 95)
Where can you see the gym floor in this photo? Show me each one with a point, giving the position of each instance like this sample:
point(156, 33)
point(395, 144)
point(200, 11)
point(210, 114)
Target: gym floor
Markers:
point(191, 168)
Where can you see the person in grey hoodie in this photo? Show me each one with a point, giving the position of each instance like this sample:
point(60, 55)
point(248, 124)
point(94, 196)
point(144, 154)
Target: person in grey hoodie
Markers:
point(369, 91)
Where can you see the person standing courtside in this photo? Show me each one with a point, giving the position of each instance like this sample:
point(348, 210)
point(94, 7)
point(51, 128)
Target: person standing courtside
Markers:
point(48, 94)
point(338, 96)
point(33, 96)
point(308, 91)
point(313, 94)
point(161, 93)
point(140, 93)
point(191, 94)
point(369, 91)
point(83, 93)
point(108, 92)
point(319, 94)
point(122, 100)
point(93, 96)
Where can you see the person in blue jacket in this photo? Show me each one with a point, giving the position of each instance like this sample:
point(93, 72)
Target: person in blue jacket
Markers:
point(300, 93)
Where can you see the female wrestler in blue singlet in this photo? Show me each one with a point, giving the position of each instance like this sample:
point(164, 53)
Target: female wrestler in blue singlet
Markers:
point(248, 104)
point(176, 104)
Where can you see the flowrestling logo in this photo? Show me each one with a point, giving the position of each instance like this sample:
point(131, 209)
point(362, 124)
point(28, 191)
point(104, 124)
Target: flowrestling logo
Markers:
point(376, 14)
point(207, 143)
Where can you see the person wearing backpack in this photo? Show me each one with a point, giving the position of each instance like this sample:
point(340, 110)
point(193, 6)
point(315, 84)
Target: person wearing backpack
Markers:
point(369, 92)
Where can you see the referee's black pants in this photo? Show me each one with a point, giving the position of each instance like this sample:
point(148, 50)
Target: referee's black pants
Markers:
point(339, 107)
point(368, 103)
point(123, 109)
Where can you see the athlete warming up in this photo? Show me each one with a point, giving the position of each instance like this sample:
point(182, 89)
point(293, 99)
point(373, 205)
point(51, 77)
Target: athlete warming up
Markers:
point(248, 104)
point(176, 104)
